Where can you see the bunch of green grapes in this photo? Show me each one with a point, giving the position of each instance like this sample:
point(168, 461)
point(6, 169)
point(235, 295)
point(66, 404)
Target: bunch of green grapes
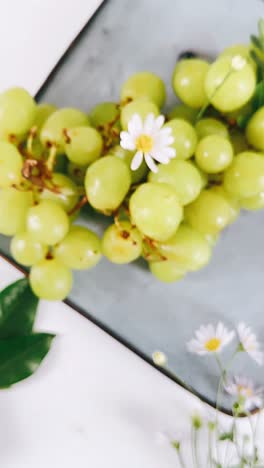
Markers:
point(55, 161)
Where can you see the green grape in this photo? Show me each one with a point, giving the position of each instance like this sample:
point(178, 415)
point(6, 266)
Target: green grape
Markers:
point(183, 176)
point(209, 213)
point(80, 249)
point(50, 279)
point(238, 141)
point(47, 222)
point(245, 177)
point(17, 112)
point(84, 145)
point(144, 84)
point(14, 205)
point(155, 210)
point(43, 112)
point(209, 126)
point(167, 271)
point(122, 243)
point(214, 154)
point(188, 82)
point(107, 182)
point(181, 111)
point(11, 164)
point(188, 248)
point(76, 173)
point(104, 113)
point(140, 106)
point(127, 156)
point(62, 190)
point(227, 88)
point(233, 202)
point(185, 139)
point(53, 130)
point(238, 49)
point(255, 130)
point(26, 250)
point(253, 203)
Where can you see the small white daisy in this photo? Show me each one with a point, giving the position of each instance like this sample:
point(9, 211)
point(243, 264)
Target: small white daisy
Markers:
point(244, 389)
point(149, 139)
point(210, 339)
point(249, 343)
point(238, 62)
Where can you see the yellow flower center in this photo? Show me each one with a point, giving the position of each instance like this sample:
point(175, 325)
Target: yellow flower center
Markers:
point(144, 143)
point(246, 390)
point(213, 344)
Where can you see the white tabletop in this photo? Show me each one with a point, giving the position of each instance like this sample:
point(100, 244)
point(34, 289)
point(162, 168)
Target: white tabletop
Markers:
point(93, 403)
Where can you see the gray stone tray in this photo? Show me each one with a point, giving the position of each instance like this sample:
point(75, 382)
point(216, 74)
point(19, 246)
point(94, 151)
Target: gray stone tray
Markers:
point(127, 36)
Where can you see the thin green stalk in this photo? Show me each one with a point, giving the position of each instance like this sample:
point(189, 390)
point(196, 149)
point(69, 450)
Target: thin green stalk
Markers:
point(180, 458)
point(203, 109)
point(196, 448)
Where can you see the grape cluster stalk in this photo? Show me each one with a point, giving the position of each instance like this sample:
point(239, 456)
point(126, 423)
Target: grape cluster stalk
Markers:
point(54, 161)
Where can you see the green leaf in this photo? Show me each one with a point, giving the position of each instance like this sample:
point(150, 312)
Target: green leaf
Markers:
point(256, 42)
point(227, 436)
point(21, 356)
point(258, 98)
point(242, 121)
point(261, 29)
point(18, 306)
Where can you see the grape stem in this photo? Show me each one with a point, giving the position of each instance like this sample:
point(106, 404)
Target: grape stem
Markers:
point(51, 158)
point(78, 205)
point(31, 136)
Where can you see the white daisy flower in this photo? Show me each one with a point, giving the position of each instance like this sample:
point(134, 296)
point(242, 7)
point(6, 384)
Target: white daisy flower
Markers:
point(249, 343)
point(149, 139)
point(244, 389)
point(209, 339)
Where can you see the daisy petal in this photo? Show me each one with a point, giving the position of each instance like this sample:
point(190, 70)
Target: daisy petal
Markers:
point(160, 157)
point(150, 163)
point(159, 122)
point(148, 124)
point(136, 161)
point(135, 125)
point(127, 141)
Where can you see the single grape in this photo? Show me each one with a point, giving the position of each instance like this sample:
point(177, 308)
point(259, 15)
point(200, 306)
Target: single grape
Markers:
point(188, 248)
point(155, 210)
point(43, 111)
point(214, 154)
point(183, 176)
point(188, 81)
point(233, 202)
point(17, 112)
point(62, 190)
point(76, 173)
point(83, 145)
point(107, 182)
point(144, 84)
point(253, 203)
point(255, 130)
point(209, 126)
point(14, 205)
point(26, 250)
point(127, 156)
point(245, 177)
point(167, 271)
point(238, 141)
point(53, 130)
point(185, 139)
point(140, 106)
point(50, 280)
point(122, 243)
point(80, 249)
point(11, 164)
point(209, 213)
point(104, 113)
point(228, 88)
point(181, 111)
point(47, 222)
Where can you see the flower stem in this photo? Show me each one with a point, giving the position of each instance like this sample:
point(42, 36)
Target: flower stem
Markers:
point(180, 458)
point(203, 109)
point(52, 158)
